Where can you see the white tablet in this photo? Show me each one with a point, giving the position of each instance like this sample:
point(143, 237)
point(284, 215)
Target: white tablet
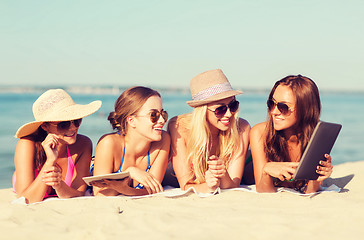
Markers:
point(321, 142)
point(113, 176)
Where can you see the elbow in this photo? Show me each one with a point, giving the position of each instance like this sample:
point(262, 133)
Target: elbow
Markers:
point(260, 189)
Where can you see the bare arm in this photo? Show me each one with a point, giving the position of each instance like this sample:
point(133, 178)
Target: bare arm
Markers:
point(104, 164)
point(263, 169)
point(26, 185)
point(325, 169)
point(179, 159)
point(263, 181)
point(236, 167)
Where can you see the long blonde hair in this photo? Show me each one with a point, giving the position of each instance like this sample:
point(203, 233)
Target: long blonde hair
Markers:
point(199, 142)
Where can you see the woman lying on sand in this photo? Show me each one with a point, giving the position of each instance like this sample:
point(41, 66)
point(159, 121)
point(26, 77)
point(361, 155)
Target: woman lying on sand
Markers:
point(209, 145)
point(139, 146)
point(51, 157)
point(277, 145)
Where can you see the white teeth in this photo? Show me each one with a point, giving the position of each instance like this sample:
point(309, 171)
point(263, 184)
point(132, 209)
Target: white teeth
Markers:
point(69, 135)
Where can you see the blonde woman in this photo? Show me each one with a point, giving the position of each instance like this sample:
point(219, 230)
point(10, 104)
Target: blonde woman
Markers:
point(139, 146)
point(209, 145)
point(51, 158)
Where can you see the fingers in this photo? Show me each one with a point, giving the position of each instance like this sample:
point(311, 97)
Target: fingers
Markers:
point(152, 185)
point(292, 164)
point(156, 186)
point(211, 181)
point(325, 168)
point(328, 158)
point(52, 176)
point(51, 141)
point(216, 166)
point(99, 184)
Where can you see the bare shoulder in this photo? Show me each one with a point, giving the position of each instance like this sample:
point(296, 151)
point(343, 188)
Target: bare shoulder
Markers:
point(172, 122)
point(166, 138)
point(109, 140)
point(165, 141)
point(258, 129)
point(83, 140)
point(244, 124)
point(26, 142)
point(179, 125)
point(25, 147)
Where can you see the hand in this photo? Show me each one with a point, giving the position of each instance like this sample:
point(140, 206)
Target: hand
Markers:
point(216, 166)
point(325, 168)
point(212, 182)
point(150, 183)
point(50, 145)
point(281, 170)
point(52, 176)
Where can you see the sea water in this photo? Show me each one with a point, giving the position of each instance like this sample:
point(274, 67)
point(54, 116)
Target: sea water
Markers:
point(344, 108)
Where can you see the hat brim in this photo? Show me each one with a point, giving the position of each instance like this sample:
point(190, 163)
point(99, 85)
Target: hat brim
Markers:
point(220, 96)
point(72, 112)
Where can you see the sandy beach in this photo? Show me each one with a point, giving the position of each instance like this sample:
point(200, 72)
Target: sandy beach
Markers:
point(228, 215)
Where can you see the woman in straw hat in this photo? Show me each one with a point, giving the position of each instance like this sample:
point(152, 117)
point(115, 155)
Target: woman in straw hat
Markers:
point(51, 157)
point(139, 146)
point(277, 145)
point(209, 145)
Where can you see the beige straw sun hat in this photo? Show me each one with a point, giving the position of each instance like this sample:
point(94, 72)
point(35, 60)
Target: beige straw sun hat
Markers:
point(53, 106)
point(210, 86)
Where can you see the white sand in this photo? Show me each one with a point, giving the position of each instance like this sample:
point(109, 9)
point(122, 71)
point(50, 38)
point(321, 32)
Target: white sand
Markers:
point(229, 215)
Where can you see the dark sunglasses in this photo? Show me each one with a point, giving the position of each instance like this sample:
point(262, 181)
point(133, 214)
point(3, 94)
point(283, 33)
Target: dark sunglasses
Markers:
point(282, 107)
point(220, 111)
point(63, 126)
point(155, 115)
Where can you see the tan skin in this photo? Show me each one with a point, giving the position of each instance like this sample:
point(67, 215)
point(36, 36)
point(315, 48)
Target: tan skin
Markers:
point(142, 135)
point(265, 170)
point(52, 174)
point(217, 174)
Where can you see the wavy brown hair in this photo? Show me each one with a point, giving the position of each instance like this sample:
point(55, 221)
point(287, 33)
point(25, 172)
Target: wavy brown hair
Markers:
point(39, 154)
point(307, 110)
point(127, 104)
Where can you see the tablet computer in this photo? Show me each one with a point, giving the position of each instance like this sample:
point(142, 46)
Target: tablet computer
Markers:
point(112, 176)
point(320, 143)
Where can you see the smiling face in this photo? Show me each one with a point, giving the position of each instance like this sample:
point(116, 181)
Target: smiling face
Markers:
point(142, 123)
point(223, 123)
point(284, 94)
point(67, 136)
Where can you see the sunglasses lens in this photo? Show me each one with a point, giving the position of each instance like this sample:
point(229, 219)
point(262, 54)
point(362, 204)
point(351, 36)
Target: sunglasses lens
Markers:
point(220, 111)
point(283, 108)
point(77, 122)
point(154, 116)
point(64, 125)
point(165, 115)
point(270, 104)
point(234, 105)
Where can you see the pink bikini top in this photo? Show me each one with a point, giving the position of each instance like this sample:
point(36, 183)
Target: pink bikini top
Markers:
point(67, 180)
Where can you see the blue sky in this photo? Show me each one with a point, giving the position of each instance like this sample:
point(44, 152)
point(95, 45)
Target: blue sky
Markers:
point(166, 43)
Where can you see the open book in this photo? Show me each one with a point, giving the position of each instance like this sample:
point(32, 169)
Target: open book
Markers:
point(321, 142)
point(113, 176)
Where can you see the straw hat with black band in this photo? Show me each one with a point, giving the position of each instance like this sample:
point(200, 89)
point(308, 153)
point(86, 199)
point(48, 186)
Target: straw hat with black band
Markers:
point(210, 86)
point(55, 105)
